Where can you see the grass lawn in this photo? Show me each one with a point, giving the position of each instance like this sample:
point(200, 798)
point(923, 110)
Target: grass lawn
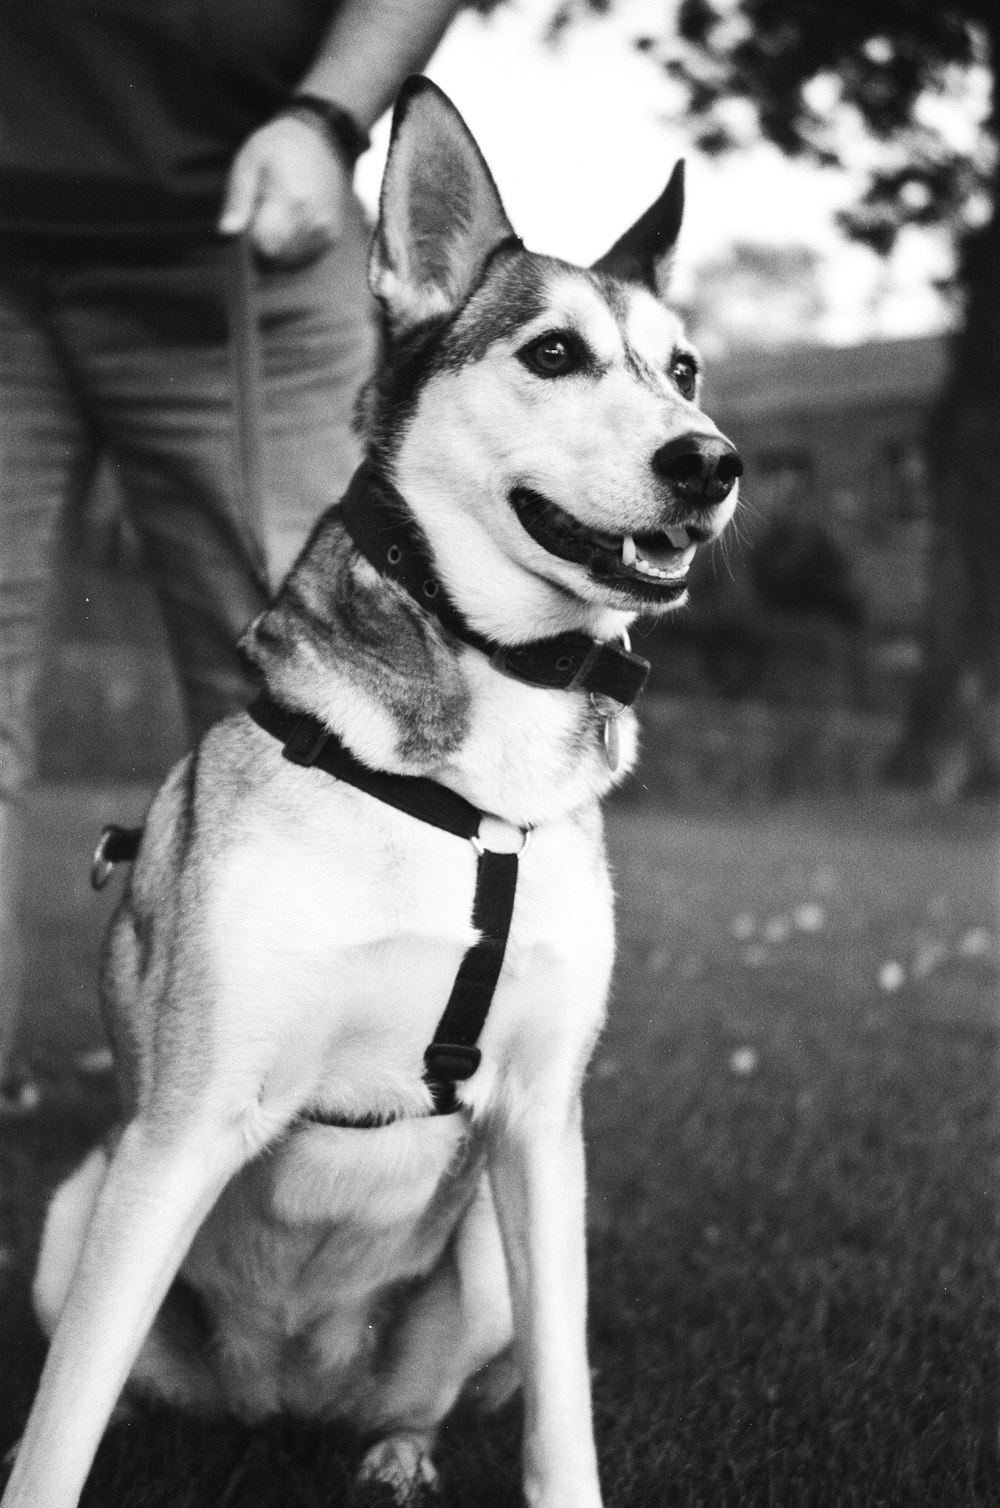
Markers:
point(792, 1143)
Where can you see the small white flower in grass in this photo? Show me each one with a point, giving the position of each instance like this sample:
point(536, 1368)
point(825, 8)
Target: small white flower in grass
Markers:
point(976, 943)
point(692, 966)
point(778, 930)
point(23, 1099)
point(928, 956)
point(743, 1061)
point(742, 927)
point(891, 976)
point(659, 961)
point(810, 917)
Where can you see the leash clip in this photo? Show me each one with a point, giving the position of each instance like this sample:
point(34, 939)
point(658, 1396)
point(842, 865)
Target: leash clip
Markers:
point(116, 845)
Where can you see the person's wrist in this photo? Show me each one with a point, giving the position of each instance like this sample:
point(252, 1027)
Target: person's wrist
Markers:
point(338, 125)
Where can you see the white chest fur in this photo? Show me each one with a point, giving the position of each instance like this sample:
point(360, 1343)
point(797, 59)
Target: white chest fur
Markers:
point(533, 755)
point(334, 931)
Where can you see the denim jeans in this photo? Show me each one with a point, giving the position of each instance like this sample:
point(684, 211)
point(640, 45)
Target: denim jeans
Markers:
point(132, 359)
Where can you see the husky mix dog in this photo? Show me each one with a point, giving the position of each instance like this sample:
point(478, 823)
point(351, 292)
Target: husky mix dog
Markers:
point(306, 1207)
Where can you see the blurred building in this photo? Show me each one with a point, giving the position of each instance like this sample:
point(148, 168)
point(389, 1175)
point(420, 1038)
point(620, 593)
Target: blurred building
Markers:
point(836, 496)
point(840, 433)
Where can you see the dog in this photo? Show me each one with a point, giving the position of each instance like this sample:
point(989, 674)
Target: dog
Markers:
point(306, 1208)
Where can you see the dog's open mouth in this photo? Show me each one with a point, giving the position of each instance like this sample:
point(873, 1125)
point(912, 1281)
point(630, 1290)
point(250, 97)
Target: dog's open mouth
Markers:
point(649, 565)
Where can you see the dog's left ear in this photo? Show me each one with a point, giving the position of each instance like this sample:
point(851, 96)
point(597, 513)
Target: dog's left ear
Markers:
point(440, 216)
point(645, 253)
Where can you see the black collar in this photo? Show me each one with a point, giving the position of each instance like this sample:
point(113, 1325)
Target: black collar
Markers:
point(383, 528)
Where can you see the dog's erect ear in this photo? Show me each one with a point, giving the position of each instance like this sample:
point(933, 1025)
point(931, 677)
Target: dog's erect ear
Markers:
point(645, 253)
point(440, 215)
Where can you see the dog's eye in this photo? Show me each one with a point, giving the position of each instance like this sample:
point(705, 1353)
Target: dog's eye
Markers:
point(551, 356)
point(684, 375)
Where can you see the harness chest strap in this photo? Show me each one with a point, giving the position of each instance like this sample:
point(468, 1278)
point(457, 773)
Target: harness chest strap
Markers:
point(452, 1054)
point(385, 532)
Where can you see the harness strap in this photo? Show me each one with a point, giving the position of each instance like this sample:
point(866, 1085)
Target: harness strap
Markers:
point(452, 1054)
point(385, 531)
point(308, 742)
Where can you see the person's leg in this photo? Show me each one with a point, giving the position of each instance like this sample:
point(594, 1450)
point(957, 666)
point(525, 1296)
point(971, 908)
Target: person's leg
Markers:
point(156, 344)
point(149, 339)
point(46, 455)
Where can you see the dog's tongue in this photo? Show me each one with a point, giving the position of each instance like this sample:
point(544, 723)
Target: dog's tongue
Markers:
point(671, 553)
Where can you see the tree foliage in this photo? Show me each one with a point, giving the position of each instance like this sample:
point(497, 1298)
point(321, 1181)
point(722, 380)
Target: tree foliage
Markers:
point(754, 294)
point(800, 68)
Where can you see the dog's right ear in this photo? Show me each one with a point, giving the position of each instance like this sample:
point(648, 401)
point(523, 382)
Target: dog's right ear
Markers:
point(440, 215)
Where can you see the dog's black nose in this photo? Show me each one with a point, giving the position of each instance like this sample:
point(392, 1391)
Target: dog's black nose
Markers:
point(700, 468)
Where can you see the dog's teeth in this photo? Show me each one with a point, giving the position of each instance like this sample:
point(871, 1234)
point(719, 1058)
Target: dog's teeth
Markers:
point(628, 551)
point(679, 538)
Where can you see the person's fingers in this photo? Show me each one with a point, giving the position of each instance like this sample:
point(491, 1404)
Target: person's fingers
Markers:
point(291, 231)
point(242, 192)
point(271, 227)
point(287, 190)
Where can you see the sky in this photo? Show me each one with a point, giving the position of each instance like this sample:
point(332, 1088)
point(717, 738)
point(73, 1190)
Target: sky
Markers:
point(580, 141)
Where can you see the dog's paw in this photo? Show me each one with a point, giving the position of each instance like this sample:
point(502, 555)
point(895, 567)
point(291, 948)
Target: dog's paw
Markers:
point(401, 1463)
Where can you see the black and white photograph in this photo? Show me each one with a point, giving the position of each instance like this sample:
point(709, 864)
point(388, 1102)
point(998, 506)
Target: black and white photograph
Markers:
point(499, 754)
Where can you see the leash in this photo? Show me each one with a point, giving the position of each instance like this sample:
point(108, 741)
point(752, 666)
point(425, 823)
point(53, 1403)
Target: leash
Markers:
point(247, 387)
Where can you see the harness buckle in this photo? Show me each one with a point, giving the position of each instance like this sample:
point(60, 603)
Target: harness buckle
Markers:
point(451, 1060)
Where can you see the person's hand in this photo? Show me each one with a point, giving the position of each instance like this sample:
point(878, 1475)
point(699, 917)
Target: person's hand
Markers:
point(287, 190)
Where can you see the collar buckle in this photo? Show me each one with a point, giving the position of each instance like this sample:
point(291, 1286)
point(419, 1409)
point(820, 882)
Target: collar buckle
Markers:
point(305, 742)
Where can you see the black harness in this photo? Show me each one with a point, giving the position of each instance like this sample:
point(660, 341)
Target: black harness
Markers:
point(385, 532)
point(452, 1054)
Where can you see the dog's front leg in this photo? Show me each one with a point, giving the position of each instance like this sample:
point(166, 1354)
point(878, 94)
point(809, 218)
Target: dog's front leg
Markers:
point(159, 1187)
point(537, 1173)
